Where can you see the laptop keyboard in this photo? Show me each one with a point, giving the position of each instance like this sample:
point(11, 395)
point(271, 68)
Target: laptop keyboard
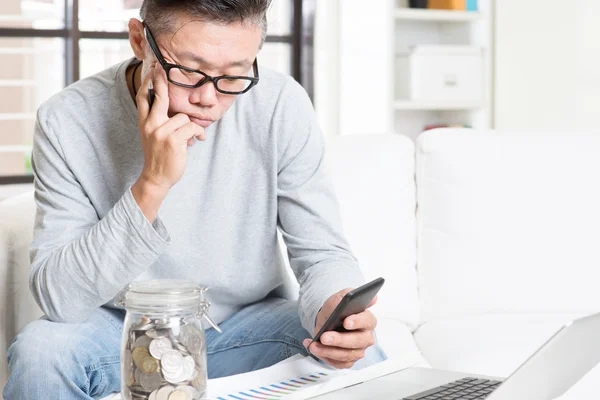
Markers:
point(462, 389)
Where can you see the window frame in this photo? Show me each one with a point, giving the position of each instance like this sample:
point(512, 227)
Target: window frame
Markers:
point(300, 39)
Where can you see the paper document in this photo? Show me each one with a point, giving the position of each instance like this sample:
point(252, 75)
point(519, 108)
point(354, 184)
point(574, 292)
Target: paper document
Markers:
point(296, 378)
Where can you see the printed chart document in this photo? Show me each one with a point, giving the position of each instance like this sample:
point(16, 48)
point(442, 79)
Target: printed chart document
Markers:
point(296, 378)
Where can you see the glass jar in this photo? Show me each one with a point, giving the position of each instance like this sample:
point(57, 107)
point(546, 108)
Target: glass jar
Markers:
point(163, 350)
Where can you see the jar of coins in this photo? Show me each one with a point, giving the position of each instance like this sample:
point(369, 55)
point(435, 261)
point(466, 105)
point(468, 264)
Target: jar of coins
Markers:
point(163, 351)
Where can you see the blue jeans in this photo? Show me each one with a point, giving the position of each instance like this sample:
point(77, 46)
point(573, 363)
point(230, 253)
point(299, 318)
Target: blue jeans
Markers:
point(50, 360)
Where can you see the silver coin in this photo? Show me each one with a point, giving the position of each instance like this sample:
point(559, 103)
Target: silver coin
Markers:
point(178, 395)
point(137, 374)
point(143, 341)
point(153, 395)
point(192, 338)
point(150, 382)
point(160, 346)
point(144, 324)
point(172, 361)
point(188, 367)
point(179, 347)
point(189, 391)
point(175, 377)
point(164, 392)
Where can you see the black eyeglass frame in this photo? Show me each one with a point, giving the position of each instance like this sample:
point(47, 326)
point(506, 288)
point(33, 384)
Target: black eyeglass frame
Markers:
point(207, 78)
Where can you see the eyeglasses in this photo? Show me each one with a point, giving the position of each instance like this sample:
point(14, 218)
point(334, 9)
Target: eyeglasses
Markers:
point(193, 78)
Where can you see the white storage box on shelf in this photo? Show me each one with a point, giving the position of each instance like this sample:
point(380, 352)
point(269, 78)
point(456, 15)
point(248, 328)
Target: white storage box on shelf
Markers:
point(440, 73)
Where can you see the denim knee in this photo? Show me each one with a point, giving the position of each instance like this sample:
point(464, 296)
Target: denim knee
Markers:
point(56, 360)
point(35, 364)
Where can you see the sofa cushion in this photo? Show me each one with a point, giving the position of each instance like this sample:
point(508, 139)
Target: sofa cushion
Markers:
point(373, 176)
point(508, 223)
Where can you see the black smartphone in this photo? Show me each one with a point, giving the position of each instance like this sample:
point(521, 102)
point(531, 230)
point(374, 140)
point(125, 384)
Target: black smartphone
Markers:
point(354, 302)
point(150, 94)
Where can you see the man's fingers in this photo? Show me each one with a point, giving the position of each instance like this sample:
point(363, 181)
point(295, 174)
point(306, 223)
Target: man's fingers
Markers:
point(172, 124)
point(338, 364)
point(365, 320)
point(189, 131)
point(348, 340)
point(336, 354)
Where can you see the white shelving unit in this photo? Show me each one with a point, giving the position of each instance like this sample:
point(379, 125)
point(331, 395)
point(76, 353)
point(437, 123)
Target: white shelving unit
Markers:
point(415, 14)
point(440, 27)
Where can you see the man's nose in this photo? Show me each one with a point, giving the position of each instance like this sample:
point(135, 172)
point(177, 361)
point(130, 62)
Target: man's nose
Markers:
point(205, 95)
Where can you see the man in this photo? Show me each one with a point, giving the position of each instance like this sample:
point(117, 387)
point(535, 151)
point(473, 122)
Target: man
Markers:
point(193, 188)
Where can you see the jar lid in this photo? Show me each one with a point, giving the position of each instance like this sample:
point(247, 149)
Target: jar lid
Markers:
point(162, 294)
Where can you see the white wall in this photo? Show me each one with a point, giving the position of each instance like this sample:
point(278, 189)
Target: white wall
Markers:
point(326, 66)
point(353, 66)
point(547, 67)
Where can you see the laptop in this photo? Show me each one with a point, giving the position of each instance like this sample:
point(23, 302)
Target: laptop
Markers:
point(554, 368)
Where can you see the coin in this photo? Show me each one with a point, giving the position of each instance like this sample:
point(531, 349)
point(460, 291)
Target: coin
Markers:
point(192, 339)
point(138, 355)
point(143, 341)
point(164, 392)
point(144, 324)
point(179, 346)
point(172, 361)
point(151, 381)
point(178, 395)
point(137, 374)
point(149, 365)
point(188, 367)
point(190, 392)
point(160, 346)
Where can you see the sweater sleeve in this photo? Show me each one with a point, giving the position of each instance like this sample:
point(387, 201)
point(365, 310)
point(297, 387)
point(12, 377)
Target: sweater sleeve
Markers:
point(79, 261)
point(308, 214)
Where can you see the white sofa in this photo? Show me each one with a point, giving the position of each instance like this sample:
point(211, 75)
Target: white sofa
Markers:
point(488, 241)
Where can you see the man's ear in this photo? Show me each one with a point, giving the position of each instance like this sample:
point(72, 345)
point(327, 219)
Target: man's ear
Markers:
point(137, 40)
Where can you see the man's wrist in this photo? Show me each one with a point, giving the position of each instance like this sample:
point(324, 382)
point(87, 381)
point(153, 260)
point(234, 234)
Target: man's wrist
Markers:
point(148, 197)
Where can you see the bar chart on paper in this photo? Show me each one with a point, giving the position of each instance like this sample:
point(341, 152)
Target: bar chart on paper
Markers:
point(282, 381)
point(278, 390)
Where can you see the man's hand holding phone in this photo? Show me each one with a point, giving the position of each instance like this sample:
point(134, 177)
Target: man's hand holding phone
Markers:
point(164, 141)
point(343, 349)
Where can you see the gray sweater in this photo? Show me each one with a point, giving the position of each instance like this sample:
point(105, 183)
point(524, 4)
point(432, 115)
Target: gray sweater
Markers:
point(260, 168)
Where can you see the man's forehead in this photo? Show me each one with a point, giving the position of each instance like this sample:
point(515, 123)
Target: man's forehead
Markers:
point(196, 58)
point(213, 44)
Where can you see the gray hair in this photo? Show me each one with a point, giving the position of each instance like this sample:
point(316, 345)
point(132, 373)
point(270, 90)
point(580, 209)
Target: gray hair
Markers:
point(160, 14)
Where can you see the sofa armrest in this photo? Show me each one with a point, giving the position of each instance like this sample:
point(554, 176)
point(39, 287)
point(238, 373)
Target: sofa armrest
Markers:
point(17, 305)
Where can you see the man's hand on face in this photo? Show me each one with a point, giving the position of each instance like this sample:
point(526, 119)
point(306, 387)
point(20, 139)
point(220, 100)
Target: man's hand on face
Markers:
point(164, 142)
point(343, 349)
